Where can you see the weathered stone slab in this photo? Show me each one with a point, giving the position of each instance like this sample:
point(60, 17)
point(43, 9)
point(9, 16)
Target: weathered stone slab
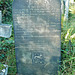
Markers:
point(5, 30)
point(37, 36)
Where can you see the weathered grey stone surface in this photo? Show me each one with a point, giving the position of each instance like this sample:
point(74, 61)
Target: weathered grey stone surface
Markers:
point(37, 36)
point(5, 30)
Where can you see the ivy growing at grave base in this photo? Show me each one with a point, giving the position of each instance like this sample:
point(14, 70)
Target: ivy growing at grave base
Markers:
point(6, 8)
point(7, 54)
point(5, 45)
point(7, 49)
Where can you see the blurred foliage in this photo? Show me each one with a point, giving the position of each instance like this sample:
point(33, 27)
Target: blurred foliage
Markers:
point(6, 8)
point(72, 9)
point(7, 53)
point(2, 67)
point(68, 46)
point(62, 20)
point(5, 45)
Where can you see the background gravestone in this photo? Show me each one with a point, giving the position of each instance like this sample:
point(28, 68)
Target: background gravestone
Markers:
point(37, 36)
point(5, 29)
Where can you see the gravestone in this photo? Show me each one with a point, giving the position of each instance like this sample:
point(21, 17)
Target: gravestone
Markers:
point(37, 29)
point(5, 29)
point(66, 9)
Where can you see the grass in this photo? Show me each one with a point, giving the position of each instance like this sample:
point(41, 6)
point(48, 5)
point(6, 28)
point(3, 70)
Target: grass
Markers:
point(2, 67)
point(8, 51)
point(68, 46)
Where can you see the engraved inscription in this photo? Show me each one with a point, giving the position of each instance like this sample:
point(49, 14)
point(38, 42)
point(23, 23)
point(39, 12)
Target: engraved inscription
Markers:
point(37, 36)
point(37, 58)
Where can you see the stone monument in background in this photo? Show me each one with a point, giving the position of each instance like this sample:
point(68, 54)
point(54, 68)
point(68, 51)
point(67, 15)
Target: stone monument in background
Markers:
point(5, 29)
point(37, 28)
